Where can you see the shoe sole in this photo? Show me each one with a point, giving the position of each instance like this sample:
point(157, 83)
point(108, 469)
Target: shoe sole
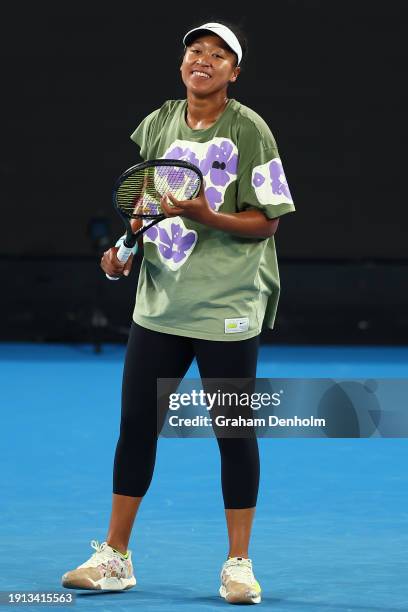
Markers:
point(105, 584)
point(239, 599)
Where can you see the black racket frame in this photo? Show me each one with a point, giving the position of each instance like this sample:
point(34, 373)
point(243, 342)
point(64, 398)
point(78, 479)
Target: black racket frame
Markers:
point(132, 238)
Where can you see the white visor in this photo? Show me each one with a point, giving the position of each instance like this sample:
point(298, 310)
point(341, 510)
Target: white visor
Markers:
point(223, 32)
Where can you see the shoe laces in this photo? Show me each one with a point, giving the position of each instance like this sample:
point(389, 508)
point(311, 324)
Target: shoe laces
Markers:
point(239, 570)
point(103, 553)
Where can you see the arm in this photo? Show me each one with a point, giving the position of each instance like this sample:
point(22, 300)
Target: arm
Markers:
point(136, 224)
point(249, 223)
point(109, 261)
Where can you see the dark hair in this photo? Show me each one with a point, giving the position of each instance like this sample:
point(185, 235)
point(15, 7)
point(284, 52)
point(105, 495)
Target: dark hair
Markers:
point(238, 31)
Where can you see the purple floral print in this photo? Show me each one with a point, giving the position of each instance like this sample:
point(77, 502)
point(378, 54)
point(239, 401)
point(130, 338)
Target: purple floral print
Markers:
point(258, 179)
point(185, 154)
point(176, 176)
point(152, 232)
point(151, 208)
point(220, 163)
point(213, 196)
point(175, 246)
point(278, 180)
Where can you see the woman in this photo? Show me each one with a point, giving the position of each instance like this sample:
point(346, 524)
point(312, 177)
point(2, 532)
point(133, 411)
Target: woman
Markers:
point(208, 283)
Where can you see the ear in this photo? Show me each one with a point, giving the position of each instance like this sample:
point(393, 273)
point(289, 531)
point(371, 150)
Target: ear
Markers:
point(235, 75)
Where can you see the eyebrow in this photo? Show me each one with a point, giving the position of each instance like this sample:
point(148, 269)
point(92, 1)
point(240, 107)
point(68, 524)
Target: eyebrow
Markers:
point(197, 42)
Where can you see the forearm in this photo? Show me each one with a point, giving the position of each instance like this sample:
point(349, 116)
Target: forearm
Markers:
point(135, 224)
point(249, 223)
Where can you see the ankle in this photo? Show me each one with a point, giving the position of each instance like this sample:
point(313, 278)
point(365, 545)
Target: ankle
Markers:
point(240, 553)
point(118, 546)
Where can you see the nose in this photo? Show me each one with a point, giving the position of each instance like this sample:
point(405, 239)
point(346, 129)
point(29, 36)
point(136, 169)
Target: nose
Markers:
point(203, 61)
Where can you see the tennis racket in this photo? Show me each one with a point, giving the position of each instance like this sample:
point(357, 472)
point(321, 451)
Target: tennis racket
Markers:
point(138, 191)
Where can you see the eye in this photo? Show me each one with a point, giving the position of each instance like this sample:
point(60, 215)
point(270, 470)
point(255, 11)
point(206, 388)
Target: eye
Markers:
point(218, 55)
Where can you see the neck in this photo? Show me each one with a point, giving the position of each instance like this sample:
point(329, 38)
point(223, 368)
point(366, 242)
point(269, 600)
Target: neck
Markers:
point(204, 112)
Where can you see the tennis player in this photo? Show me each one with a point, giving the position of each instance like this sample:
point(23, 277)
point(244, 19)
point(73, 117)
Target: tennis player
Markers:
point(208, 283)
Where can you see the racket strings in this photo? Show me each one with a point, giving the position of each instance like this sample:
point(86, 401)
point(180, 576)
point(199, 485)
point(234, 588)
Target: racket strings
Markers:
point(140, 193)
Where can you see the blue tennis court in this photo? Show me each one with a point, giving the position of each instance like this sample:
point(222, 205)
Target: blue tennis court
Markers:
point(193, 136)
point(331, 529)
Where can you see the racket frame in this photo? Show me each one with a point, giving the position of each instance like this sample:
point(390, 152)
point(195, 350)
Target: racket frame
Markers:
point(131, 238)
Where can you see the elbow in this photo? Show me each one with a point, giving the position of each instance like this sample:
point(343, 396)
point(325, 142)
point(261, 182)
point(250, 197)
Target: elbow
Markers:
point(272, 226)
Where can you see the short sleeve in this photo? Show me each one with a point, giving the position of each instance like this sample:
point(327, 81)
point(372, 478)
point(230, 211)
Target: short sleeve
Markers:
point(262, 182)
point(142, 134)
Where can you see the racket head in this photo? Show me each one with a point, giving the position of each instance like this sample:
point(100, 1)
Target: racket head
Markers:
point(138, 191)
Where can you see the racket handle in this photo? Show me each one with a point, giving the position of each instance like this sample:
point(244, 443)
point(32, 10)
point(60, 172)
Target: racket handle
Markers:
point(123, 255)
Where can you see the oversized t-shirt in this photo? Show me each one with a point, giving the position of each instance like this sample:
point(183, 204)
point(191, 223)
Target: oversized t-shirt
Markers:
point(201, 282)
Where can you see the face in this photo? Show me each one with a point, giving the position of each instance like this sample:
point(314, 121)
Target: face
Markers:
point(208, 66)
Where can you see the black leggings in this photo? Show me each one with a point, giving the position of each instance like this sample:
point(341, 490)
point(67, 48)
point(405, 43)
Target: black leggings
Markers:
point(151, 355)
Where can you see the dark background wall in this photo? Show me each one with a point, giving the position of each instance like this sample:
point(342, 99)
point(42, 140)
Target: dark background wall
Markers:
point(328, 77)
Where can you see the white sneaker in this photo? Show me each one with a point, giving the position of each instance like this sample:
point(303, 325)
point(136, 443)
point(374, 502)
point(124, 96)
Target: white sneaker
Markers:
point(238, 584)
point(106, 570)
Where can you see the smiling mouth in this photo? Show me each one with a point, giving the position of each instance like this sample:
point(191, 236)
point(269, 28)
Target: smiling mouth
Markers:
point(203, 75)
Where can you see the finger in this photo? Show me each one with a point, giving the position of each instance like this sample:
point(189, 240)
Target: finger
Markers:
point(169, 204)
point(177, 203)
point(128, 265)
point(113, 258)
point(164, 202)
point(169, 210)
point(171, 200)
point(112, 265)
point(201, 192)
point(174, 212)
point(108, 269)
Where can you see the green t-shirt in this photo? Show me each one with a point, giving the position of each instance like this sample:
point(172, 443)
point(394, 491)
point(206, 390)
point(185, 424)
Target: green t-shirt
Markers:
point(194, 280)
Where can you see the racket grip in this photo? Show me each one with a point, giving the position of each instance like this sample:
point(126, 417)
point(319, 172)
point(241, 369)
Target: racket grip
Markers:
point(123, 255)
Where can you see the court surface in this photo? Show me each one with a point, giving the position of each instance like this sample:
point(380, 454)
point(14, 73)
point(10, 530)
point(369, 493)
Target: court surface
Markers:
point(331, 531)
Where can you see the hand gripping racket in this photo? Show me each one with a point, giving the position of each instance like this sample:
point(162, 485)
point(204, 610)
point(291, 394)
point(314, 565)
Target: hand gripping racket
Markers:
point(138, 191)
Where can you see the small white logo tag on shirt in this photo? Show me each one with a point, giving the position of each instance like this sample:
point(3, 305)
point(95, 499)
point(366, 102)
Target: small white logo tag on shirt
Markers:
point(234, 326)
